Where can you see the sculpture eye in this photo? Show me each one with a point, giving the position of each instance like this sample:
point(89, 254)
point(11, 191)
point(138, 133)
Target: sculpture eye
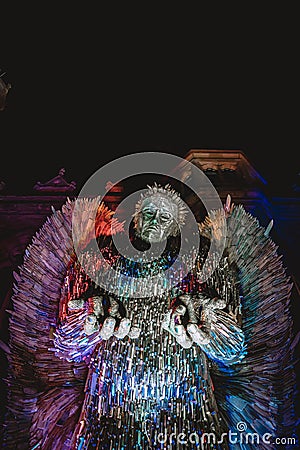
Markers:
point(165, 217)
point(149, 213)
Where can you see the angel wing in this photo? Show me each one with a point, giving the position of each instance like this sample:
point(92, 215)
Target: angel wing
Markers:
point(40, 385)
point(257, 396)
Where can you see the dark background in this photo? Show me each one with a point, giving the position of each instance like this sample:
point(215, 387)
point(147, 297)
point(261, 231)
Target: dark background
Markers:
point(63, 112)
point(68, 111)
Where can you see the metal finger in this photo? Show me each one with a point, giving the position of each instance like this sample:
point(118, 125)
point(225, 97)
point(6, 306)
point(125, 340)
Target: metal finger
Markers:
point(180, 310)
point(197, 335)
point(91, 324)
point(166, 321)
point(76, 303)
point(188, 301)
point(123, 328)
point(177, 314)
point(98, 305)
point(185, 298)
point(114, 308)
point(181, 336)
point(204, 300)
point(108, 327)
point(134, 332)
point(217, 304)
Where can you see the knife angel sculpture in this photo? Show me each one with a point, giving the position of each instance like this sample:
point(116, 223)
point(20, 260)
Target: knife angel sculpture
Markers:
point(205, 365)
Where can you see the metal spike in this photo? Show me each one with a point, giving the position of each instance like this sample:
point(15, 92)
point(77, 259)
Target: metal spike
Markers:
point(228, 203)
point(269, 228)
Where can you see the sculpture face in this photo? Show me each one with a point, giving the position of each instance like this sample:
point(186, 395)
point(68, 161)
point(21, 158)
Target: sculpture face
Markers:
point(158, 219)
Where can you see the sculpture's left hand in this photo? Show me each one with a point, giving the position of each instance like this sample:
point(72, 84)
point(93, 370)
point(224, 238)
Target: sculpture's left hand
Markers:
point(192, 333)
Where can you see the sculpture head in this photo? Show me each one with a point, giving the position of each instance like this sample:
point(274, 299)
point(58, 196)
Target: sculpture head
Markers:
point(159, 214)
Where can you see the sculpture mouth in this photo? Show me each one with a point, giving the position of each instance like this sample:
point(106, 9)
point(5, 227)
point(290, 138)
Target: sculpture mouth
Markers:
point(152, 230)
point(152, 234)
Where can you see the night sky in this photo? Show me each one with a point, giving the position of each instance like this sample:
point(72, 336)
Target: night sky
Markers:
point(60, 114)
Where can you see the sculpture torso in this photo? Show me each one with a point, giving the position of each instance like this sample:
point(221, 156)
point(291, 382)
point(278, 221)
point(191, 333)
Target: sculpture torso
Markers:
point(147, 386)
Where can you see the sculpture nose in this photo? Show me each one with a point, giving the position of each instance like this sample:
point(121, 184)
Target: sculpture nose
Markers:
point(156, 216)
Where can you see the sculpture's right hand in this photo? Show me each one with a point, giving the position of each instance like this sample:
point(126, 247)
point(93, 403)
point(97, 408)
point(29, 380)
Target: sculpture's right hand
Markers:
point(109, 329)
point(114, 324)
